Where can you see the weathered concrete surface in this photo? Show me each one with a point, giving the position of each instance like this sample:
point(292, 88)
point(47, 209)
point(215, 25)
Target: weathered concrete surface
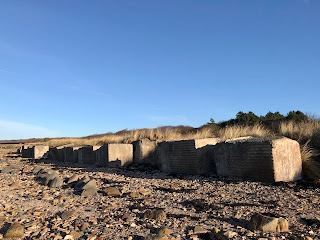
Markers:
point(113, 152)
point(27, 152)
point(67, 154)
point(40, 151)
point(187, 156)
point(95, 153)
point(258, 159)
point(145, 151)
point(54, 154)
point(35, 151)
point(85, 155)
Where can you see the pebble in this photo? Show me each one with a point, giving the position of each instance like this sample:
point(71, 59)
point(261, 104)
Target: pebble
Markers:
point(15, 230)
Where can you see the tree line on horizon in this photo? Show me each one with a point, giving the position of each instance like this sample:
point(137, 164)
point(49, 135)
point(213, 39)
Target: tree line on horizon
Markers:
point(243, 118)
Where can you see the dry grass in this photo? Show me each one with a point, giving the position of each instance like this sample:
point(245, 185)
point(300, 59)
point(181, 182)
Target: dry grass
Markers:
point(237, 131)
point(157, 134)
point(301, 131)
point(310, 166)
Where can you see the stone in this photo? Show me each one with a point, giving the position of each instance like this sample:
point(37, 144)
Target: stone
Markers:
point(187, 156)
point(89, 188)
point(306, 238)
point(199, 230)
point(16, 230)
point(257, 159)
point(268, 224)
point(230, 234)
point(74, 178)
point(66, 215)
point(37, 169)
point(9, 169)
point(75, 234)
point(89, 192)
point(164, 231)
point(156, 214)
point(56, 182)
point(84, 226)
point(112, 192)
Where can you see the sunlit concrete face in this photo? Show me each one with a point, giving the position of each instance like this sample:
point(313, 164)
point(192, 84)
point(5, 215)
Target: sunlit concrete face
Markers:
point(257, 159)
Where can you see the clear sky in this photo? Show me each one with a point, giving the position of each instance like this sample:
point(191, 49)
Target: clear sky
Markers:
point(75, 68)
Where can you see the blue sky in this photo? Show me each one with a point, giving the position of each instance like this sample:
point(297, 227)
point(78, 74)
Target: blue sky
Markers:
point(75, 68)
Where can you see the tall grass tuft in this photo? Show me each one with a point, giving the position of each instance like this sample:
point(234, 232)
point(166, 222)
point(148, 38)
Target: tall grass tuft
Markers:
point(310, 166)
point(237, 131)
point(301, 131)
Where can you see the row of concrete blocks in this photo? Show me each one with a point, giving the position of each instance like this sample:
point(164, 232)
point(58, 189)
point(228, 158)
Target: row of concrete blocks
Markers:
point(110, 155)
point(268, 160)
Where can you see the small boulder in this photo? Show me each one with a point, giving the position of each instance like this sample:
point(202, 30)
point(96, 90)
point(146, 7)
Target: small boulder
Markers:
point(112, 192)
point(56, 182)
point(16, 230)
point(156, 214)
point(164, 231)
point(73, 178)
point(66, 215)
point(268, 224)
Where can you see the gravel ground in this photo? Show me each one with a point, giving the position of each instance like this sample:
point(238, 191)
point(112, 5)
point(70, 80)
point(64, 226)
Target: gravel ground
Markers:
point(210, 204)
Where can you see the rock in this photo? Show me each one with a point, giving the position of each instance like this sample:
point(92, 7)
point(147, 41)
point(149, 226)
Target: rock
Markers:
point(56, 182)
point(156, 214)
point(16, 230)
point(68, 237)
point(112, 192)
point(230, 234)
point(73, 178)
point(135, 194)
point(89, 192)
point(79, 185)
point(75, 234)
point(164, 231)
point(306, 238)
point(66, 215)
point(199, 230)
point(36, 170)
point(84, 226)
point(86, 186)
point(268, 224)
point(27, 169)
point(90, 185)
point(9, 169)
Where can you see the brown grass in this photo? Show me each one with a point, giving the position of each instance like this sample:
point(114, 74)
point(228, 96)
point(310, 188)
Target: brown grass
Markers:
point(128, 136)
point(301, 131)
point(310, 166)
point(237, 131)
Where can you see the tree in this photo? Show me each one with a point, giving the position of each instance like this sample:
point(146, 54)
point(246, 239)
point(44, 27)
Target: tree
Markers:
point(296, 116)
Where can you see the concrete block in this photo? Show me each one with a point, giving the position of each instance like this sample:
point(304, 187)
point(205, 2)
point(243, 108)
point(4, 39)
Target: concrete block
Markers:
point(67, 154)
point(40, 151)
point(27, 152)
point(113, 152)
point(187, 156)
point(35, 151)
point(54, 154)
point(75, 155)
point(85, 155)
point(145, 151)
point(256, 159)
